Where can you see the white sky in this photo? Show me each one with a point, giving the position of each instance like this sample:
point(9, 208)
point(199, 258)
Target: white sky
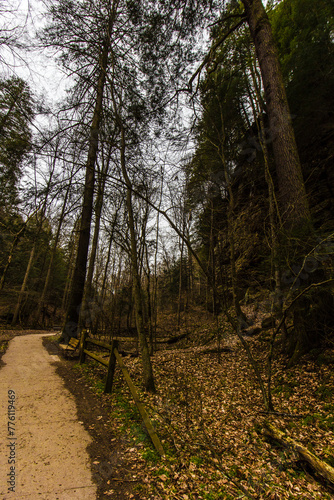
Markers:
point(37, 67)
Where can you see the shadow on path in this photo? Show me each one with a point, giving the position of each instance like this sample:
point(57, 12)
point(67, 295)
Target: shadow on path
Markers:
point(43, 446)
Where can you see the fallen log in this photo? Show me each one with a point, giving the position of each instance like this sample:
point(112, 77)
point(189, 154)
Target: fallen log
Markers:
point(322, 468)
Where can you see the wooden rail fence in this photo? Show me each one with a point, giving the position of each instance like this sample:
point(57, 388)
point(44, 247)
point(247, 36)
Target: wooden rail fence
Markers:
point(110, 365)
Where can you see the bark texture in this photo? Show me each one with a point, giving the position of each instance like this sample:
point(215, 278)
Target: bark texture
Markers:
point(72, 317)
point(86, 320)
point(137, 289)
point(294, 204)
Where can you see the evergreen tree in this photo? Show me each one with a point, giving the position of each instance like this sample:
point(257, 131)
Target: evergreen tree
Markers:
point(16, 113)
point(303, 32)
point(294, 203)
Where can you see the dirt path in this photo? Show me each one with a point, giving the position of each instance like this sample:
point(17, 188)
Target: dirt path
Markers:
point(39, 433)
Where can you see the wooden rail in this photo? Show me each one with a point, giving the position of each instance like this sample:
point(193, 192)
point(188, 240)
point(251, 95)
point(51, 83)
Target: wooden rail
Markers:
point(140, 406)
point(134, 339)
point(111, 364)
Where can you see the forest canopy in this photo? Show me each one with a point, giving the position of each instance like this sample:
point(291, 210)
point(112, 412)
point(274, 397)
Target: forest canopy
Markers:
point(167, 198)
point(186, 166)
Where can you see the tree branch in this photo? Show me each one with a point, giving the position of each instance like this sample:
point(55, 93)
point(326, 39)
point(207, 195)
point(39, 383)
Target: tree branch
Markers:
point(213, 49)
point(322, 468)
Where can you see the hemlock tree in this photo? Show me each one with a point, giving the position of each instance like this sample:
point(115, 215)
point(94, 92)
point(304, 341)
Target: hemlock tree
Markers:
point(82, 33)
point(294, 203)
point(303, 31)
point(295, 207)
point(136, 40)
point(16, 113)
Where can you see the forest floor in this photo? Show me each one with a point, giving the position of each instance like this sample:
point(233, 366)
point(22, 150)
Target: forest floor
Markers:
point(209, 415)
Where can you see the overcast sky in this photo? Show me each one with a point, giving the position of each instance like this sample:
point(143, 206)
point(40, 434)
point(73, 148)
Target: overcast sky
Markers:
point(35, 66)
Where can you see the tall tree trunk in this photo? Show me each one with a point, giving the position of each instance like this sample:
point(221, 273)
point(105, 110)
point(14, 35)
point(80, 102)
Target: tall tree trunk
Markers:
point(48, 275)
point(274, 213)
point(137, 290)
point(85, 319)
point(117, 307)
point(231, 226)
point(111, 239)
point(15, 242)
point(295, 208)
point(53, 253)
point(71, 325)
point(212, 260)
point(24, 285)
point(73, 244)
point(155, 281)
point(149, 301)
point(295, 213)
point(190, 267)
point(33, 250)
point(106, 266)
point(180, 283)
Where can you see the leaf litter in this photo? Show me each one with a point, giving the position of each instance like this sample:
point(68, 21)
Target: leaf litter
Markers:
point(209, 417)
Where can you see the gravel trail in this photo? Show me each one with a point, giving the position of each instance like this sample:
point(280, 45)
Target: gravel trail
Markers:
point(42, 445)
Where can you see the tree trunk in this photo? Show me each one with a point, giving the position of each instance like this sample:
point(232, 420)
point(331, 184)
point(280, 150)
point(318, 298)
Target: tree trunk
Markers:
point(106, 267)
point(295, 208)
point(212, 262)
point(137, 291)
point(72, 316)
point(23, 286)
point(85, 319)
point(32, 253)
point(53, 253)
point(48, 276)
point(73, 244)
point(295, 212)
point(230, 228)
point(180, 284)
point(149, 301)
point(15, 242)
point(320, 467)
point(111, 239)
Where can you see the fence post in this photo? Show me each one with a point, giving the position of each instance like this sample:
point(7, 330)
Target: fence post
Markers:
point(111, 368)
point(83, 337)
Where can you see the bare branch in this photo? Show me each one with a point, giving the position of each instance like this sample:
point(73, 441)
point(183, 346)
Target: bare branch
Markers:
point(212, 51)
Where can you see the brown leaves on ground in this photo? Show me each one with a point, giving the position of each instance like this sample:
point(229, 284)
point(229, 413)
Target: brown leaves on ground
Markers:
point(209, 417)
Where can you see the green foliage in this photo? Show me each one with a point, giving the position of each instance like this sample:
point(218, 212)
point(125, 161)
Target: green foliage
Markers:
point(303, 30)
point(151, 455)
point(11, 226)
point(228, 149)
point(196, 460)
point(16, 113)
point(3, 347)
point(170, 280)
point(286, 388)
point(226, 174)
point(221, 128)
